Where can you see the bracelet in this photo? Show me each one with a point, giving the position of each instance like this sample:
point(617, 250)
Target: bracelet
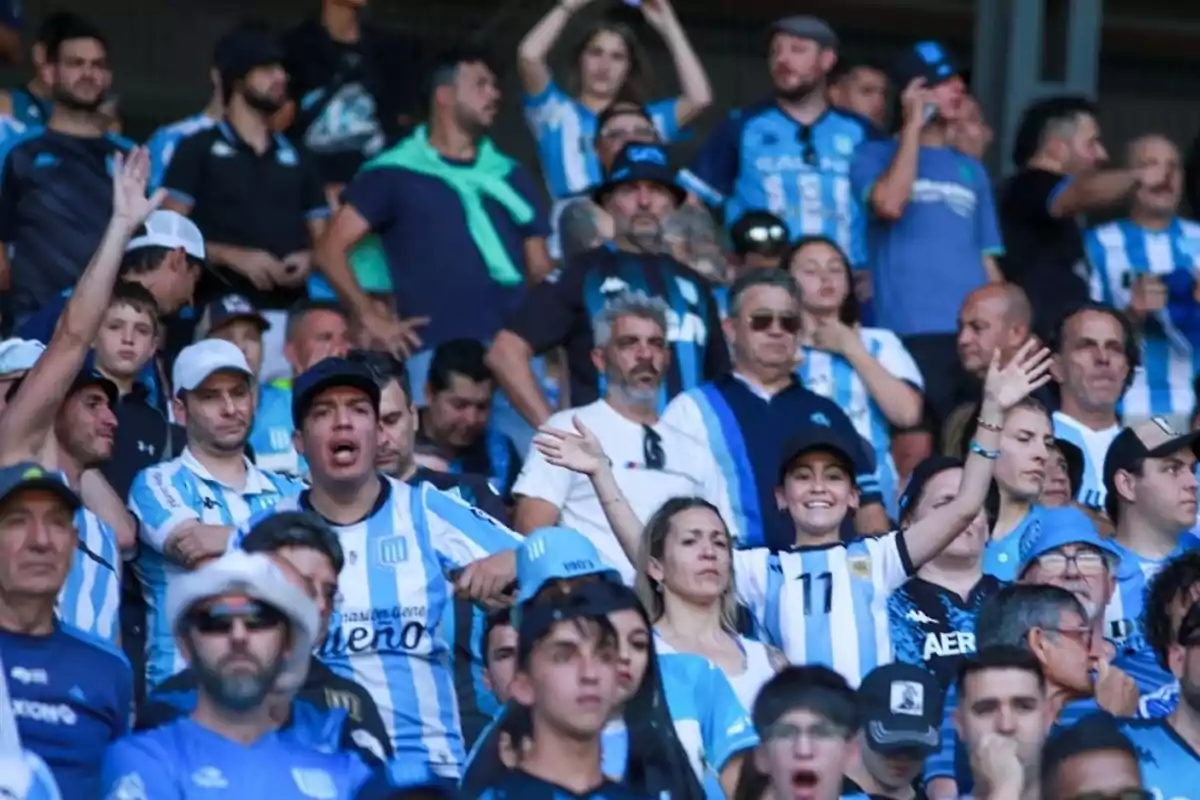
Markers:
point(979, 450)
point(987, 426)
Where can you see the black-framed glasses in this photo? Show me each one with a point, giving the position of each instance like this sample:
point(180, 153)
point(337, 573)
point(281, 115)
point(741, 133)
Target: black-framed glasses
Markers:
point(1087, 562)
point(1082, 635)
point(808, 150)
point(652, 448)
point(790, 323)
point(220, 618)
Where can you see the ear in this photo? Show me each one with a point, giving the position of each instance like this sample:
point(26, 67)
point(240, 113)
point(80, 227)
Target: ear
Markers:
point(289, 355)
point(598, 359)
point(854, 500)
point(654, 570)
point(298, 441)
point(180, 409)
point(727, 329)
point(828, 59)
point(1176, 659)
point(780, 498)
point(761, 762)
point(1056, 368)
point(1036, 639)
point(1125, 485)
point(521, 689)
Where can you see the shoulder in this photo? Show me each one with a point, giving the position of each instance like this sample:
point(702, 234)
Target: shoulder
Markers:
point(154, 744)
point(162, 474)
point(98, 652)
point(875, 148)
point(854, 124)
point(20, 142)
point(883, 336)
point(122, 143)
point(739, 117)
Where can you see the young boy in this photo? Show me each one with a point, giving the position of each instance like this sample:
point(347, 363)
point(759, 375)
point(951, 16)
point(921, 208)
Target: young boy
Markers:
point(128, 336)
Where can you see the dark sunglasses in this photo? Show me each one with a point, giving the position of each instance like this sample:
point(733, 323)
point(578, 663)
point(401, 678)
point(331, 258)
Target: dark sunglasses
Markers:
point(220, 618)
point(808, 150)
point(652, 449)
point(790, 323)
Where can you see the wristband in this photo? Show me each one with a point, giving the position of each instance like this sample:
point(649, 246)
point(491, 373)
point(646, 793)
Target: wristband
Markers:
point(987, 426)
point(978, 449)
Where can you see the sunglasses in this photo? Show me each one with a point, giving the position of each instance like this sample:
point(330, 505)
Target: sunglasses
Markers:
point(790, 323)
point(808, 150)
point(652, 449)
point(219, 618)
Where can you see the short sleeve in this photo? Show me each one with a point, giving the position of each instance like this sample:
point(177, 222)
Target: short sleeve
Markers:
point(132, 770)
point(539, 225)
point(665, 116)
point(184, 176)
point(726, 727)
point(870, 161)
point(161, 501)
point(714, 170)
point(541, 480)
point(543, 111)
point(751, 578)
point(1099, 285)
point(372, 193)
point(1031, 194)
point(550, 309)
point(895, 358)
point(988, 224)
point(890, 562)
point(460, 533)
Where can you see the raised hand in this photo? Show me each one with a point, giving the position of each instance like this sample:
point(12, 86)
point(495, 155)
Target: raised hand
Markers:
point(131, 171)
point(1028, 371)
point(579, 452)
point(658, 13)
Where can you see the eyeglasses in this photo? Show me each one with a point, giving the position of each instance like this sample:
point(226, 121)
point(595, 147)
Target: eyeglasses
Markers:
point(652, 449)
point(1123, 794)
point(808, 151)
point(787, 732)
point(790, 323)
point(645, 133)
point(220, 618)
point(1082, 635)
point(1087, 562)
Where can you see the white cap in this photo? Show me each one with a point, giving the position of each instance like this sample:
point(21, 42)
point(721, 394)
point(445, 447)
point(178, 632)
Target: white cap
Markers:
point(171, 230)
point(257, 577)
point(197, 361)
point(19, 355)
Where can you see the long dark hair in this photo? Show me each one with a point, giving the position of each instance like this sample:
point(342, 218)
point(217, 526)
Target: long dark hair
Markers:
point(656, 762)
point(850, 312)
point(635, 88)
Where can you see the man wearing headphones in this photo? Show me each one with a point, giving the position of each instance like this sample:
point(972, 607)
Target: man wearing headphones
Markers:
point(1095, 354)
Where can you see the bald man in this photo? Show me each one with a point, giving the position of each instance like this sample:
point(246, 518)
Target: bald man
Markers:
point(1144, 265)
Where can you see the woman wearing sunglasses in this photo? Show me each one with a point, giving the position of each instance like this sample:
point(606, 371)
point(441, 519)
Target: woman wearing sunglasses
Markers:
point(866, 371)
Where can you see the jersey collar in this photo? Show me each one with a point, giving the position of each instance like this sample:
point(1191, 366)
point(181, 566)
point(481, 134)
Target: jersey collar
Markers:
point(256, 480)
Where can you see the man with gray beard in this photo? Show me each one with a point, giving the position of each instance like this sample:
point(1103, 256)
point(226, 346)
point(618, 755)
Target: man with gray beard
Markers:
point(652, 461)
point(640, 194)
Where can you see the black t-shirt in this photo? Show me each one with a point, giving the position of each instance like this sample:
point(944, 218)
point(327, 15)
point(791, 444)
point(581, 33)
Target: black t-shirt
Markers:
point(849, 787)
point(558, 312)
point(1043, 253)
point(350, 98)
point(518, 785)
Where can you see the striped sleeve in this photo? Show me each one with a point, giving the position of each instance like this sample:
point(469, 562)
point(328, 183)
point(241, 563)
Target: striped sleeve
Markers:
point(162, 498)
point(461, 533)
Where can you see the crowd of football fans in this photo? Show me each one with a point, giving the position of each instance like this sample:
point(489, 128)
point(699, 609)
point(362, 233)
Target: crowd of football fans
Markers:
point(344, 456)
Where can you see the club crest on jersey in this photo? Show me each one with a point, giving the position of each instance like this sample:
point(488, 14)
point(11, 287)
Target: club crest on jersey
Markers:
point(860, 566)
point(392, 550)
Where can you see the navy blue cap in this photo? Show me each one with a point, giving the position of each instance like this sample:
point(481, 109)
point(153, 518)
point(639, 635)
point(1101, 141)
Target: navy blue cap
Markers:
point(88, 376)
point(901, 708)
point(331, 373)
point(1052, 528)
point(28, 475)
point(928, 60)
point(640, 161)
point(922, 474)
point(817, 437)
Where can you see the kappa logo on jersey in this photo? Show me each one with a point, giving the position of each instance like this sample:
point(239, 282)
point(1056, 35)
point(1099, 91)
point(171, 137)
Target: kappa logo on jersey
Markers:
point(130, 787)
point(919, 616)
point(613, 286)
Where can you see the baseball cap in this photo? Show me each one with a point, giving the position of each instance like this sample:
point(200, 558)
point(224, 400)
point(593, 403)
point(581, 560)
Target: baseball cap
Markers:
point(901, 708)
point(816, 436)
point(87, 376)
point(1154, 438)
point(330, 373)
point(1052, 528)
point(171, 230)
point(639, 161)
point(28, 475)
point(255, 576)
point(197, 361)
point(806, 26)
point(928, 60)
point(1075, 463)
point(922, 474)
point(226, 309)
point(554, 554)
point(19, 355)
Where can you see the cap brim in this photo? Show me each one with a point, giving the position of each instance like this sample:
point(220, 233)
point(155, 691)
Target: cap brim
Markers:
point(1186, 441)
point(816, 446)
point(601, 192)
point(364, 384)
point(46, 483)
point(250, 316)
point(888, 739)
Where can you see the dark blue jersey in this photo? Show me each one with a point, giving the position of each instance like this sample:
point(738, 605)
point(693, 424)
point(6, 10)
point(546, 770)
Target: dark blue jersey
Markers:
point(934, 627)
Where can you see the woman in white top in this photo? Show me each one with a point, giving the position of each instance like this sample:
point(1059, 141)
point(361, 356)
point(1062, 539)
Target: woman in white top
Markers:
point(866, 371)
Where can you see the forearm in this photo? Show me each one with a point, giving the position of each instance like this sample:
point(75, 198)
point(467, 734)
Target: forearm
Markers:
point(620, 515)
point(898, 401)
point(85, 309)
point(693, 80)
point(537, 44)
point(508, 360)
point(1095, 191)
point(100, 498)
point(992, 269)
point(893, 190)
point(333, 261)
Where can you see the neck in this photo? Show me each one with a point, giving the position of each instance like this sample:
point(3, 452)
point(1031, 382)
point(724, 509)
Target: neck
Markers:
point(933, 135)
point(818, 539)
point(595, 102)
point(631, 409)
point(38, 88)
point(628, 244)
point(406, 470)
point(215, 108)
point(1151, 220)
point(958, 574)
point(340, 21)
point(75, 122)
point(451, 141)
point(1012, 511)
point(243, 727)
point(1058, 697)
point(810, 319)
point(29, 615)
point(251, 125)
point(806, 109)
point(124, 385)
point(1186, 722)
point(345, 504)
point(1144, 538)
point(691, 621)
point(566, 762)
point(228, 468)
point(858, 772)
point(1046, 163)
point(770, 379)
point(1096, 420)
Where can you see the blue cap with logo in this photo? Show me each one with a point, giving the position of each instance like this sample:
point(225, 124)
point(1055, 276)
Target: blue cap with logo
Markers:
point(556, 554)
point(331, 373)
point(28, 475)
point(640, 161)
point(928, 60)
point(1057, 527)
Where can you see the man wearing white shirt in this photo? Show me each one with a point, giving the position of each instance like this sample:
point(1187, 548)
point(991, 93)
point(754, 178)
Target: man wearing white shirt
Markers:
point(652, 462)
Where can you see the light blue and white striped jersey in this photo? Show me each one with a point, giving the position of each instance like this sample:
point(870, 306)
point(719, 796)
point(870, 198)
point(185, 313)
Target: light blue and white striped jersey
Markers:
point(831, 375)
point(386, 632)
point(826, 605)
point(1094, 446)
point(162, 143)
point(1002, 557)
point(565, 131)
point(174, 493)
point(1170, 339)
point(271, 434)
point(1123, 617)
point(91, 596)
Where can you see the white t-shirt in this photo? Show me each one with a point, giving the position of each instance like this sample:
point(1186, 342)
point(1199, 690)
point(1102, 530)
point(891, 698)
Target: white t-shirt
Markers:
point(688, 470)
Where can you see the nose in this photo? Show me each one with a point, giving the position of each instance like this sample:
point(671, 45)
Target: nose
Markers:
point(108, 418)
point(645, 196)
point(1190, 482)
point(589, 670)
point(39, 536)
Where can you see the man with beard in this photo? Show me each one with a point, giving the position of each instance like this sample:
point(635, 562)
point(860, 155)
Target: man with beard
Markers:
point(639, 194)
point(246, 631)
point(55, 196)
point(652, 461)
point(1145, 264)
point(789, 154)
point(259, 202)
point(188, 506)
point(449, 209)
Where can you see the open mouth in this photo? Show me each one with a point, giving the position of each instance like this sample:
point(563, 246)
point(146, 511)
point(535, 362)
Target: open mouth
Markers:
point(817, 505)
point(804, 783)
point(343, 453)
